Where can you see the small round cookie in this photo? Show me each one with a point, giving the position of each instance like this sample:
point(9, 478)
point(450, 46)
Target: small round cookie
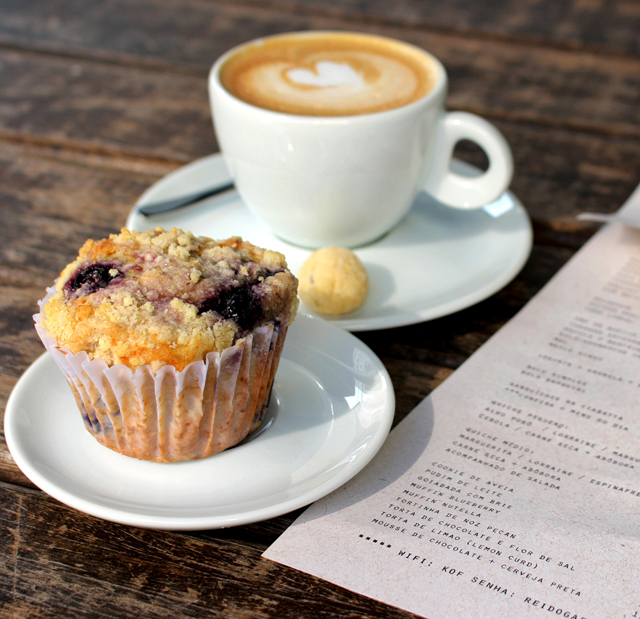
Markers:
point(333, 281)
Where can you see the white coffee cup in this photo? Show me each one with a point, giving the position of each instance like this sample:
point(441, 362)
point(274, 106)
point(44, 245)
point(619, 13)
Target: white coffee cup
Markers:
point(346, 180)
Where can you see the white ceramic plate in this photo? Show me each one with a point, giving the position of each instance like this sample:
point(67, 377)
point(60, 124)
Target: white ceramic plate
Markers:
point(331, 410)
point(437, 261)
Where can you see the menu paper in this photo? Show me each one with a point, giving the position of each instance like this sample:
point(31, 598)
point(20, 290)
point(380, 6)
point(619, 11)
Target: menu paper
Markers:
point(513, 490)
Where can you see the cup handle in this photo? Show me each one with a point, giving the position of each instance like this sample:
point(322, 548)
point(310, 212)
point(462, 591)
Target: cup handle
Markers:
point(460, 191)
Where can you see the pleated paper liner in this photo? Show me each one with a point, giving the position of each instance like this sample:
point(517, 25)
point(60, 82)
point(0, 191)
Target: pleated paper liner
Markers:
point(170, 415)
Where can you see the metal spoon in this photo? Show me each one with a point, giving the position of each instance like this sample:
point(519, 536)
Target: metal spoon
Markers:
point(155, 208)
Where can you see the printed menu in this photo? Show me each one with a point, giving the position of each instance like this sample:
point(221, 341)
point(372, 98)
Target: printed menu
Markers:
point(513, 490)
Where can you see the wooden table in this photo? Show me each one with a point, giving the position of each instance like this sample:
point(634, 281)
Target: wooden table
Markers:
point(98, 100)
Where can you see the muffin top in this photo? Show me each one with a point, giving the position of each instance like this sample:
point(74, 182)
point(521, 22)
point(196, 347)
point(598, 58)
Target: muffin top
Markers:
point(167, 298)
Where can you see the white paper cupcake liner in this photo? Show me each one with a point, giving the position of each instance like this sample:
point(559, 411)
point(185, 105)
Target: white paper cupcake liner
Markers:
point(170, 416)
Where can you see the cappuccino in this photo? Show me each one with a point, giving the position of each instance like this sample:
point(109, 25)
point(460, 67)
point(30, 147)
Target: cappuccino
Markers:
point(329, 74)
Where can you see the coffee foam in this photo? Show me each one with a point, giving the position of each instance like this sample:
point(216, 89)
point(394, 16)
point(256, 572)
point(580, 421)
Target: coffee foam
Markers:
point(328, 74)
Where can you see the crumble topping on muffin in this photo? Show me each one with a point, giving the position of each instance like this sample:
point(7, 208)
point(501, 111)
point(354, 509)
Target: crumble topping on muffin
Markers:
point(167, 297)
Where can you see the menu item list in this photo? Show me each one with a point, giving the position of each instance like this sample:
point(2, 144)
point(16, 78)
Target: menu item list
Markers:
point(513, 490)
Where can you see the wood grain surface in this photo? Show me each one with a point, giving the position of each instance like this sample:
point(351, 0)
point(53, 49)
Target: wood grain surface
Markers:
point(98, 100)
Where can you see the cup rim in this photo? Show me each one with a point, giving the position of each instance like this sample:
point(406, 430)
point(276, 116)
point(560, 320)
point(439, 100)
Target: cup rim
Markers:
point(439, 87)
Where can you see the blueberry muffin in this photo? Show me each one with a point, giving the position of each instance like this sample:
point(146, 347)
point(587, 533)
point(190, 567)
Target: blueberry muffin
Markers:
point(170, 342)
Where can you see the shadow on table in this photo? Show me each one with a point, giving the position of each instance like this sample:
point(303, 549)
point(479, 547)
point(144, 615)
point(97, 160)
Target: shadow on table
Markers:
point(400, 453)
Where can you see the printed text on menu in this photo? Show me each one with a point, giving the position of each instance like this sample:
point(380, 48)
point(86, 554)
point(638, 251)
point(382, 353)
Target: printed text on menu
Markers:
point(514, 489)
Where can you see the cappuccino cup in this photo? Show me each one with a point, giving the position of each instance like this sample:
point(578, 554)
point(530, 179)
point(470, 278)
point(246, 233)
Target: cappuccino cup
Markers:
point(330, 136)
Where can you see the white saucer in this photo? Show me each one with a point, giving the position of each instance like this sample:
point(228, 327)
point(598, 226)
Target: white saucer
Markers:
point(437, 261)
point(332, 408)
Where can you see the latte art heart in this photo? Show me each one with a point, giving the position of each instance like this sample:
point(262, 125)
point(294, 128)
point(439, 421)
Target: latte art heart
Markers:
point(328, 74)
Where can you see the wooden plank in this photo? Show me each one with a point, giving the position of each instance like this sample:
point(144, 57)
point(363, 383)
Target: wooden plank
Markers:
point(160, 28)
point(18, 347)
point(602, 25)
point(165, 110)
point(79, 566)
point(52, 205)
point(9, 471)
point(106, 108)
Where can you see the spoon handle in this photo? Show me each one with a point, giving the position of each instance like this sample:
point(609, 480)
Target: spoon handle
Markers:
point(156, 208)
